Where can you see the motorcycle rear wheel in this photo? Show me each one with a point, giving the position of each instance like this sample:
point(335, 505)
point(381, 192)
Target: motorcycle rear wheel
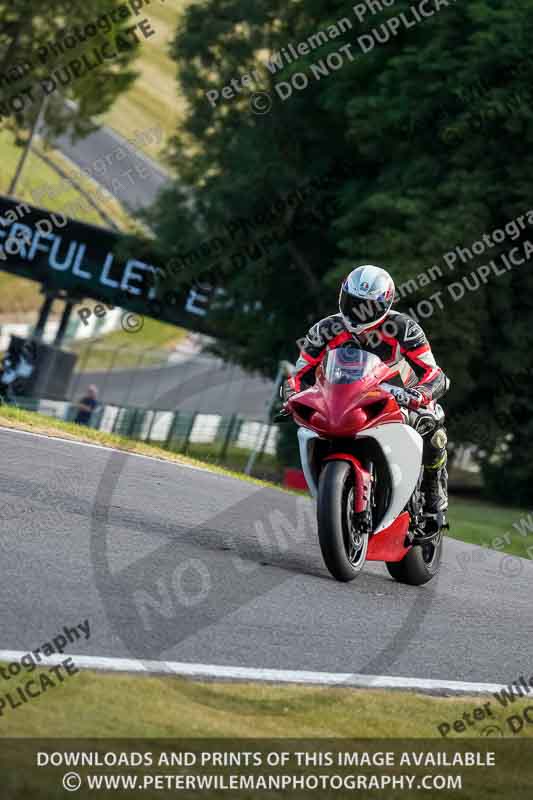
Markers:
point(343, 548)
point(420, 565)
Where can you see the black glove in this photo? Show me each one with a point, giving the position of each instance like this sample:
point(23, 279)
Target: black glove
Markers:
point(409, 398)
point(283, 415)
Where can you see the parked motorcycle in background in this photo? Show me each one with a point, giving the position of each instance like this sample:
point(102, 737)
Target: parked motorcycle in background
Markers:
point(16, 368)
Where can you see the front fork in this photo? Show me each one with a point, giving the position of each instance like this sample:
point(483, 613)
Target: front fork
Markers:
point(362, 481)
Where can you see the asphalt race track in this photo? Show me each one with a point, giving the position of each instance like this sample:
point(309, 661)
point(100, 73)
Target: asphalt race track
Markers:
point(176, 563)
point(134, 193)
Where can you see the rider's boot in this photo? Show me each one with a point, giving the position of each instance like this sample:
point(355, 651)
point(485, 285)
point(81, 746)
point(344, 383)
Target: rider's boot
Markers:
point(435, 480)
point(435, 488)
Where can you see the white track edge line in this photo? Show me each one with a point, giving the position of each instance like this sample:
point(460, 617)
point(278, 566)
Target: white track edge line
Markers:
point(221, 672)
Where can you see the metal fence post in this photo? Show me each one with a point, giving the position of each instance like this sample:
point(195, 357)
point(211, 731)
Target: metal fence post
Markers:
point(188, 432)
point(232, 424)
point(171, 431)
point(149, 432)
point(264, 442)
point(115, 421)
point(133, 423)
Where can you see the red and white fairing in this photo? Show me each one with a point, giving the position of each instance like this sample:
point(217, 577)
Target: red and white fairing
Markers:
point(348, 404)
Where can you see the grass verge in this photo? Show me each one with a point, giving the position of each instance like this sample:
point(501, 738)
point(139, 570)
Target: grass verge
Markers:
point(154, 97)
point(236, 459)
point(42, 185)
point(81, 208)
point(90, 704)
point(492, 526)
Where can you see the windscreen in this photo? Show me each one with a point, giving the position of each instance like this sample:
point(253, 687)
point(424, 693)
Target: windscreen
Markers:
point(348, 364)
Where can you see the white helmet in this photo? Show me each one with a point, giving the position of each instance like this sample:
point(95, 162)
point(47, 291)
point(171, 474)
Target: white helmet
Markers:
point(365, 298)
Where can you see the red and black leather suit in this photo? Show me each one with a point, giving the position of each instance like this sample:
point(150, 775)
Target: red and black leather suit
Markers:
point(398, 341)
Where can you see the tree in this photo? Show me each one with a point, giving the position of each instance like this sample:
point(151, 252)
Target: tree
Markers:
point(38, 39)
point(438, 125)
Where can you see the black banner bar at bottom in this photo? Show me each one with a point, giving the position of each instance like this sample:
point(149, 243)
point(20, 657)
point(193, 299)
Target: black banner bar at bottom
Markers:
point(494, 767)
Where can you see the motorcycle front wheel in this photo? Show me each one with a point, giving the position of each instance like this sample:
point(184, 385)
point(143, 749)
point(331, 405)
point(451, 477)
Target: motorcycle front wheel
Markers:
point(343, 548)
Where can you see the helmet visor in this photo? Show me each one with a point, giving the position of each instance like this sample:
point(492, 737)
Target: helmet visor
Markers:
point(362, 311)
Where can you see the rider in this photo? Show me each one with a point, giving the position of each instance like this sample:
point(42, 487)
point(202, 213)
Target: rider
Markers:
point(365, 303)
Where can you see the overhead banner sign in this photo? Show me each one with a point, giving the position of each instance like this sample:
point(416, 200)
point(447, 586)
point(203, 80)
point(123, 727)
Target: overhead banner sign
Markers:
point(83, 261)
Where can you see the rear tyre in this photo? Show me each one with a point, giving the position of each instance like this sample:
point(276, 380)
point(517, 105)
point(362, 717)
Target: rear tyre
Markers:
point(343, 548)
point(420, 565)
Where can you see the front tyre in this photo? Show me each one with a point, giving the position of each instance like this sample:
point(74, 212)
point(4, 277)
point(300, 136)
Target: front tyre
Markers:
point(421, 563)
point(343, 547)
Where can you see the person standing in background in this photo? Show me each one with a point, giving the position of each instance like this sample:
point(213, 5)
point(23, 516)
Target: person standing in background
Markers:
point(87, 405)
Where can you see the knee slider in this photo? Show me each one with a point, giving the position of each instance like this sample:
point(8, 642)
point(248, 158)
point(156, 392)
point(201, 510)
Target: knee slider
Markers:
point(439, 439)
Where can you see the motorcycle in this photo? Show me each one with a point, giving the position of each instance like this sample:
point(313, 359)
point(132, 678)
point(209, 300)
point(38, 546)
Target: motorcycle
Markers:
point(362, 461)
point(16, 368)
